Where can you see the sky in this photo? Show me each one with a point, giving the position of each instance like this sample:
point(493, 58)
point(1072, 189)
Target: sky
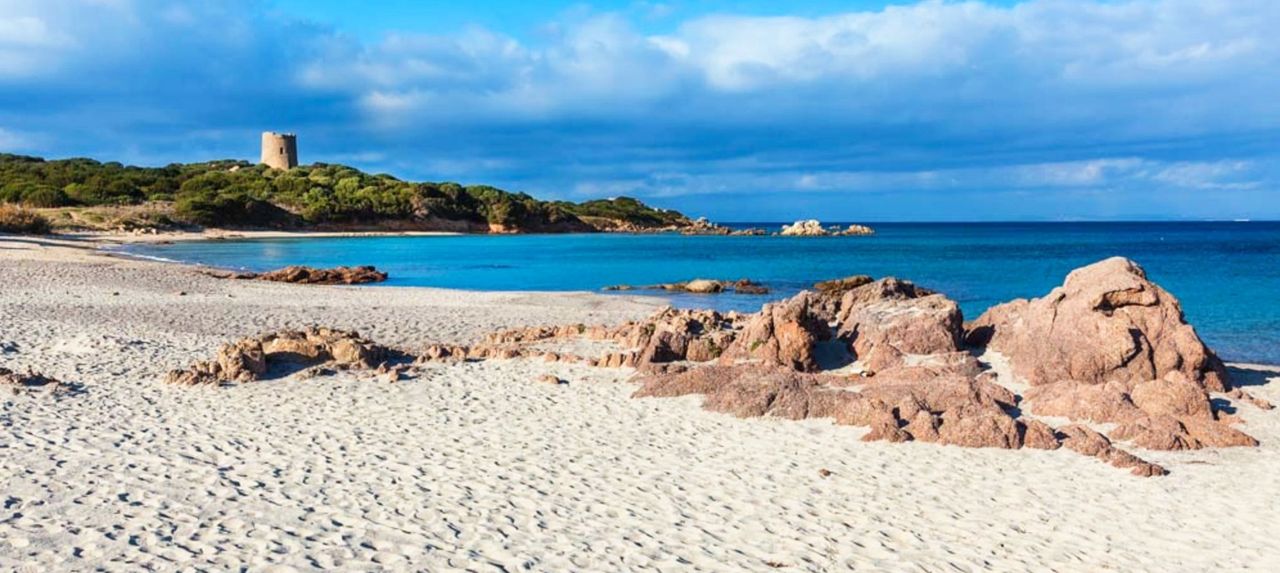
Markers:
point(859, 110)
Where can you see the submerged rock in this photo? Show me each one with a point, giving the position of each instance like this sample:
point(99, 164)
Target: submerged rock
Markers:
point(700, 286)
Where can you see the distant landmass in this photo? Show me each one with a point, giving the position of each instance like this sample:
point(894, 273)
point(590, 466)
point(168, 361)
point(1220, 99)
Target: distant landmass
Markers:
point(231, 194)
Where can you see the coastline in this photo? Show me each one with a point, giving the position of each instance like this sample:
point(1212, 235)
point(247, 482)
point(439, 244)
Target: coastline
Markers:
point(479, 464)
point(107, 238)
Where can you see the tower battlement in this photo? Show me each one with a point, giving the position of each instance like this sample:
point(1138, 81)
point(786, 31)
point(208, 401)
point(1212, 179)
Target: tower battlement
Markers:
point(279, 150)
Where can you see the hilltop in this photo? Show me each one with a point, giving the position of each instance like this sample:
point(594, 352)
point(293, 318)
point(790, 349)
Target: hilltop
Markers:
point(230, 194)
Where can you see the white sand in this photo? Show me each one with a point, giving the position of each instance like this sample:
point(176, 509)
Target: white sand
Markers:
point(480, 467)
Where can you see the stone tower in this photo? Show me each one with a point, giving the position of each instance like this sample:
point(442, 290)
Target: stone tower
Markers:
point(279, 150)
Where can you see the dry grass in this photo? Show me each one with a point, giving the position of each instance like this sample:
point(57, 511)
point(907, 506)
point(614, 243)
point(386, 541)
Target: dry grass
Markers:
point(111, 218)
point(14, 219)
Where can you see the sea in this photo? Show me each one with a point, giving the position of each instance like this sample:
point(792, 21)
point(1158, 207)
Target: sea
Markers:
point(1227, 274)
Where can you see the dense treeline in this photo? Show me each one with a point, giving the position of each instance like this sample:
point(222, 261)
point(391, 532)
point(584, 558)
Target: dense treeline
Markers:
point(240, 194)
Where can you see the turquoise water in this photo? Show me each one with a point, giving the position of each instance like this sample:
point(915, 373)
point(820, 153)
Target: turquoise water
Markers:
point(1226, 274)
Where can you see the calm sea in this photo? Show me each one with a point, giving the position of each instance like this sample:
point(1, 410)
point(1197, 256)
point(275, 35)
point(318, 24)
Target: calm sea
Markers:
point(1226, 274)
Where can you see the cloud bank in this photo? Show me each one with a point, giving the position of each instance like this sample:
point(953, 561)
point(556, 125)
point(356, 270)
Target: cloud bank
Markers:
point(935, 110)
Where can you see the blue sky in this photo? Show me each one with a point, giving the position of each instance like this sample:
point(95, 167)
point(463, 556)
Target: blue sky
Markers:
point(855, 110)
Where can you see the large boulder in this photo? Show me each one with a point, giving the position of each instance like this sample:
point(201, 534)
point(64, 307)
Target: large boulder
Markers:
point(783, 333)
point(888, 321)
point(1107, 322)
point(1171, 413)
point(805, 228)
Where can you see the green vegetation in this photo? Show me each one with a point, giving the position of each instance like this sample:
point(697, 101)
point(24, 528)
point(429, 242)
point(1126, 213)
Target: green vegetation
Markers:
point(239, 194)
point(22, 221)
point(626, 209)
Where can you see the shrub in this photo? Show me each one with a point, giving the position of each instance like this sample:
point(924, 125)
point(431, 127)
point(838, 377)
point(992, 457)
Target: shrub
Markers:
point(22, 221)
point(237, 193)
point(45, 196)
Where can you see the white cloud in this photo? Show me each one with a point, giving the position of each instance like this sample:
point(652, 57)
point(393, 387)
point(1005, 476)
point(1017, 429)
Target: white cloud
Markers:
point(1114, 96)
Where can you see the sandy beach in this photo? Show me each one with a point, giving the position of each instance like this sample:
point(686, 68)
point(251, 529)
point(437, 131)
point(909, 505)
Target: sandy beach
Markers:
point(480, 467)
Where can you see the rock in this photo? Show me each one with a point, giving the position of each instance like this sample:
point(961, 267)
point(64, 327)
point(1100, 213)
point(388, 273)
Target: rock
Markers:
point(32, 381)
point(704, 286)
point(1241, 395)
point(551, 379)
point(885, 333)
point(1100, 403)
point(804, 228)
point(1172, 395)
point(919, 380)
point(842, 285)
point(1038, 435)
point(1172, 413)
point(249, 359)
point(308, 275)
point(979, 427)
point(748, 390)
point(699, 286)
point(814, 228)
point(888, 288)
point(393, 373)
point(334, 276)
point(1091, 443)
point(783, 333)
point(8, 347)
point(746, 286)
point(1107, 322)
point(824, 472)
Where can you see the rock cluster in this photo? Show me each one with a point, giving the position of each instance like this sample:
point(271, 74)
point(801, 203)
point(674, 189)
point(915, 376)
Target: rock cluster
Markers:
point(251, 359)
point(814, 228)
point(311, 276)
point(700, 286)
point(1108, 347)
point(668, 337)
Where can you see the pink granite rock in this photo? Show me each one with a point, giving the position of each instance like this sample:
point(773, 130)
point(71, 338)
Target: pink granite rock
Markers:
point(1107, 322)
point(783, 334)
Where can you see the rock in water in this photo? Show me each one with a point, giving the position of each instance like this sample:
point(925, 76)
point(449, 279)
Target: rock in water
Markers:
point(704, 286)
point(308, 275)
point(842, 285)
point(334, 276)
point(1107, 322)
point(806, 228)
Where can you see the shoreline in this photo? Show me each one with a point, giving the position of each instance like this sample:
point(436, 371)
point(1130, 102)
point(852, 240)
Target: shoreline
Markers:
point(224, 235)
point(104, 241)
